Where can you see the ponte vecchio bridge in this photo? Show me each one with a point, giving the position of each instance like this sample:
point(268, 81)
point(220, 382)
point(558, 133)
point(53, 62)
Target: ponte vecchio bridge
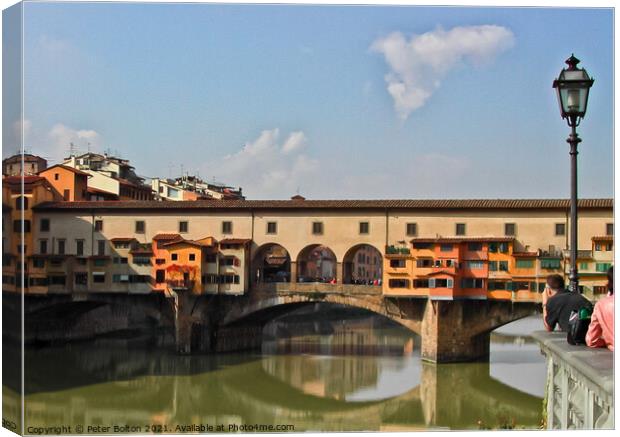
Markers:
point(449, 270)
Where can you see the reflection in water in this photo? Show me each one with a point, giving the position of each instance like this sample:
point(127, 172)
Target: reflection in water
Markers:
point(326, 378)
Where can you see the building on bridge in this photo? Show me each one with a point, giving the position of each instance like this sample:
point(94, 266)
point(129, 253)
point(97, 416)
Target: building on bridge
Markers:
point(442, 249)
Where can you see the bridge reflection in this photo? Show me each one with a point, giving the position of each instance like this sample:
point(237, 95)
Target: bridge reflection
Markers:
point(129, 382)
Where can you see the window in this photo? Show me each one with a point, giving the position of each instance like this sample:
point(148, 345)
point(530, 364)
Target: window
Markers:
point(227, 227)
point(510, 229)
point(420, 283)
point(364, 227)
point(98, 225)
point(525, 263)
point(211, 258)
point(460, 229)
point(475, 265)
point(66, 195)
point(609, 229)
point(183, 227)
point(421, 245)
point(38, 263)
point(550, 263)
point(228, 261)
point(492, 266)
point(472, 283)
point(399, 283)
point(57, 280)
point(61, 247)
point(43, 246)
point(503, 247)
point(79, 247)
point(56, 176)
point(99, 262)
point(21, 203)
point(599, 289)
point(140, 227)
point(493, 247)
point(44, 225)
point(503, 266)
point(81, 278)
point(141, 260)
point(560, 229)
point(100, 247)
point(119, 260)
point(160, 276)
point(424, 262)
point(440, 283)
point(174, 257)
point(98, 278)
point(446, 247)
point(38, 282)
point(272, 228)
point(317, 228)
point(397, 263)
point(412, 229)
point(192, 257)
point(583, 266)
point(474, 247)
point(17, 226)
point(497, 285)
point(602, 267)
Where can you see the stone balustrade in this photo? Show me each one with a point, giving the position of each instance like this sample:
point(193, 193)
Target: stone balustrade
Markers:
point(580, 384)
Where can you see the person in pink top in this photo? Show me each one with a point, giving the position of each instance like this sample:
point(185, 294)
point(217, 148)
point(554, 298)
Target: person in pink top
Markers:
point(601, 329)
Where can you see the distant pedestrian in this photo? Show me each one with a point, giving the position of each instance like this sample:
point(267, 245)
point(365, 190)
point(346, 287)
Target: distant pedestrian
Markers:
point(601, 329)
point(558, 303)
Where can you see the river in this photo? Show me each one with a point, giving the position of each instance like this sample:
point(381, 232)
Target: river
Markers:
point(342, 371)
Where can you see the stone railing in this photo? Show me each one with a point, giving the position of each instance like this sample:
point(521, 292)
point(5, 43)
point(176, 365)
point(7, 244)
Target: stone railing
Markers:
point(316, 287)
point(580, 384)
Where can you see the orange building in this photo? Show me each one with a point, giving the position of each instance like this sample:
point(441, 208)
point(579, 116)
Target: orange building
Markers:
point(70, 183)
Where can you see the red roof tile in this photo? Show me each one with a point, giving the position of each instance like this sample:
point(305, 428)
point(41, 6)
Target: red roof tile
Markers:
point(603, 238)
point(235, 241)
point(122, 239)
point(524, 254)
point(461, 239)
point(66, 167)
point(165, 236)
point(403, 204)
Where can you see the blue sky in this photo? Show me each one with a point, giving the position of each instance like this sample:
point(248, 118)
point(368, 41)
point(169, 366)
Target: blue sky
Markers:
point(285, 98)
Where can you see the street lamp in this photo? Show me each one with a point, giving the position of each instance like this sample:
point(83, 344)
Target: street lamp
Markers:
point(573, 87)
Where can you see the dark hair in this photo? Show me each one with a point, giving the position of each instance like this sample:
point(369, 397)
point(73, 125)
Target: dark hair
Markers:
point(555, 281)
point(610, 280)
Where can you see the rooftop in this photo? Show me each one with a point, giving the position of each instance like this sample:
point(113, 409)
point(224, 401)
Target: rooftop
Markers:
point(379, 204)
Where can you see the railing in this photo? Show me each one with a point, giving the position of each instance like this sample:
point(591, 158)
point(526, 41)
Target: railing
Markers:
point(580, 384)
point(181, 284)
point(580, 254)
point(316, 287)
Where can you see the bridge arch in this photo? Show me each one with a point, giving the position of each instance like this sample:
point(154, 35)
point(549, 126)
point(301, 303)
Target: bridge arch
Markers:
point(261, 311)
point(361, 264)
point(316, 263)
point(271, 263)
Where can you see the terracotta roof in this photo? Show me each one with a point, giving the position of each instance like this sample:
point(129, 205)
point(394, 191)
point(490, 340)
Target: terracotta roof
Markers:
point(524, 254)
point(122, 239)
point(27, 179)
point(384, 204)
point(190, 242)
point(146, 249)
point(167, 237)
point(235, 241)
point(66, 167)
point(603, 238)
point(462, 239)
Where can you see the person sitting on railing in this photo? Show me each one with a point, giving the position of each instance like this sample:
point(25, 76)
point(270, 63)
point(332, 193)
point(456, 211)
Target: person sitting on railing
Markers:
point(601, 329)
point(558, 302)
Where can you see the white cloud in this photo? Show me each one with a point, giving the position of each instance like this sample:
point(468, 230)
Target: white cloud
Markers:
point(61, 136)
point(418, 65)
point(269, 167)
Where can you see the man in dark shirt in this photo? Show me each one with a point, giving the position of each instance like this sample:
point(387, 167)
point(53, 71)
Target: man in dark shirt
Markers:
point(558, 303)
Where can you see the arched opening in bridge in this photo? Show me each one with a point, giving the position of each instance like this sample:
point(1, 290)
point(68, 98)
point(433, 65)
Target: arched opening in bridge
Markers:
point(362, 265)
point(316, 263)
point(272, 263)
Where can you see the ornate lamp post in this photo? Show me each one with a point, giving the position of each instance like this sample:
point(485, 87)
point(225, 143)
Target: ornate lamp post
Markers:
point(573, 87)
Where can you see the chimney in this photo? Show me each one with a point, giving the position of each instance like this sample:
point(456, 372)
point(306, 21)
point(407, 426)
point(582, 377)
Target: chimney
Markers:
point(298, 197)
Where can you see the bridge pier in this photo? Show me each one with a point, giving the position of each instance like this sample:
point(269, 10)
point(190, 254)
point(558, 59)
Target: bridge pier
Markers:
point(192, 330)
point(447, 332)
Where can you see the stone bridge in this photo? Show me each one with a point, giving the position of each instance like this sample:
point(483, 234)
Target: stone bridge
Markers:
point(451, 330)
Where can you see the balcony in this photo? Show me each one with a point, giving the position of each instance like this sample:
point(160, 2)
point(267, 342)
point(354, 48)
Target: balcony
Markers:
point(581, 254)
point(181, 284)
